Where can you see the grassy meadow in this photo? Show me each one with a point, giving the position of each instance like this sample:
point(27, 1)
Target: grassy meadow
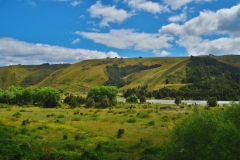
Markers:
point(71, 130)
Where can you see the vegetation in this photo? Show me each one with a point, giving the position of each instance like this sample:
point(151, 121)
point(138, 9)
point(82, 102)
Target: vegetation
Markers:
point(132, 99)
point(115, 73)
point(206, 135)
point(103, 96)
point(45, 96)
point(34, 124)
point(177, 100)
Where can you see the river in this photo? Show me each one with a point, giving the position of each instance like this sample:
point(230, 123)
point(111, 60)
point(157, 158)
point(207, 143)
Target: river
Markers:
point(160, 101)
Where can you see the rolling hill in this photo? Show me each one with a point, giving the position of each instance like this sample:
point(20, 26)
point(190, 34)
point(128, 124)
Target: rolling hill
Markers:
point(81, 76)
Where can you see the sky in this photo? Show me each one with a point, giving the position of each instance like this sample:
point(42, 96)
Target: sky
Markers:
point(69, 31)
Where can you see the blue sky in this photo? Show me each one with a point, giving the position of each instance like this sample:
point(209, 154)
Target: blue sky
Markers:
point(69, 31)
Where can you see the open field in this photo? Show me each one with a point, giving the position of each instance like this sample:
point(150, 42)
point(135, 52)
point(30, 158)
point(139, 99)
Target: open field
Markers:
point(145, 125)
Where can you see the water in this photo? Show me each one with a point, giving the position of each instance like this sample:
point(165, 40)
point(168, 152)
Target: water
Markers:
point(160, 101)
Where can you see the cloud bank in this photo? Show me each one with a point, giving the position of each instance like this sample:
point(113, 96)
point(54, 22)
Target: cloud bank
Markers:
point(13, 51)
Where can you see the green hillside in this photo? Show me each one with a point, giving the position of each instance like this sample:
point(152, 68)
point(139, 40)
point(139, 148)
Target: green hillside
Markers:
point(123, 72)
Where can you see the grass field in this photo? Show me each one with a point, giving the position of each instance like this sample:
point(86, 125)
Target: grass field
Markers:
point(144, 125)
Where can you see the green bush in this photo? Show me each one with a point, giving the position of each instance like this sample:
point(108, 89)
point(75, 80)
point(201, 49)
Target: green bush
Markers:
point(206, 135)
point(132, 99)
point(17, 115)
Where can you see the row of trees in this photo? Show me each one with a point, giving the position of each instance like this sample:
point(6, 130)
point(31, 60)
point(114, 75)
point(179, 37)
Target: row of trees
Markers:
point(44, 96)
point(98, 96)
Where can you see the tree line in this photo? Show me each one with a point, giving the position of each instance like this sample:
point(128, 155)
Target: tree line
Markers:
point(43, 96)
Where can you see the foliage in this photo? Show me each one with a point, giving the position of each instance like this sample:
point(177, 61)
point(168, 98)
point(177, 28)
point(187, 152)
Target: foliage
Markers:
point(212, 101)
point(132, 99)
point(120, 133)
point(74, 101)
point(142, 99)
point(138, 91)
point(103, 94)
point(115, 73)
point(206, 135)
point(45, 96)
point(177, 100)
point(208, 78)
point(90, 103)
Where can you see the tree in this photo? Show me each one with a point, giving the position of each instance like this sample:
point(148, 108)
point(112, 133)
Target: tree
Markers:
point(90, 102)
point(142, 99)
point(177, 100)
point(98, 92)
point(212, 101)
point(44, 95)
point(132, 99)
point(104, 102)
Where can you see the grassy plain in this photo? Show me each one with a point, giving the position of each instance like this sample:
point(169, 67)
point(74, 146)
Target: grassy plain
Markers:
point(145, 125)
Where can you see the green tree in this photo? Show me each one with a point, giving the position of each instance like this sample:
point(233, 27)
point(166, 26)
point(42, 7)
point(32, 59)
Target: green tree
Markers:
point(132, 99)
point(212, 101)
point(104, 102)
point(142, 99)
point(98, 92)
point(90, 102)
point(177, 100)
point(206, 135)
point(44, 95)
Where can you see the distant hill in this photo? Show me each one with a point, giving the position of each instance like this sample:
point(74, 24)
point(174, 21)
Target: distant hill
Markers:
point(124, 72)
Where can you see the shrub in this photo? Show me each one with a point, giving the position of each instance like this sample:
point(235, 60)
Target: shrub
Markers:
point(17, 115)
point(212, 101)
point(65, 136)
point(132, 99)
point(206, 135)
point(143, 115)
point(90, 103)
point(25, 122)
point(151, 123)
point(165, 118)
point(60, 116)
point(132, 120)
point(120, 133)
point(177, 100)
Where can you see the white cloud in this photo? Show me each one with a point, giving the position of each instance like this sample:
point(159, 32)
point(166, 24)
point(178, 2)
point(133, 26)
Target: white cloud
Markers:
point(128, 38)
point(75, 3)
point(179, 18)
point(13, 51)
point(76, 41)
point(108, 14)
point(161, 53)
point(224, 21)
point(209, 33)
point(148, 6)
point(176, 4)
point(221, 46)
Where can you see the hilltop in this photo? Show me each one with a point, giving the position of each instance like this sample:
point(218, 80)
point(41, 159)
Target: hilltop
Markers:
point(123, 72)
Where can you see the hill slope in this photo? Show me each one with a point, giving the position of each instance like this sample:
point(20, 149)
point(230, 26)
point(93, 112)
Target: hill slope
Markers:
point(81, 76)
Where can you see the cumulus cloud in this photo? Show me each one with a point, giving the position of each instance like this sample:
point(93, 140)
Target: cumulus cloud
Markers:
point(108, 14)
point(223, 23)
point(179, 18)
point(221, 46)
point(147, 6)
point(128, 38)
point(13, 51)
point(76, 41)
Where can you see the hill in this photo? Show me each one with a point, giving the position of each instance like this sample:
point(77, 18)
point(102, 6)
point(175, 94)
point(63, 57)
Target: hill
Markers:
point(125, 73)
